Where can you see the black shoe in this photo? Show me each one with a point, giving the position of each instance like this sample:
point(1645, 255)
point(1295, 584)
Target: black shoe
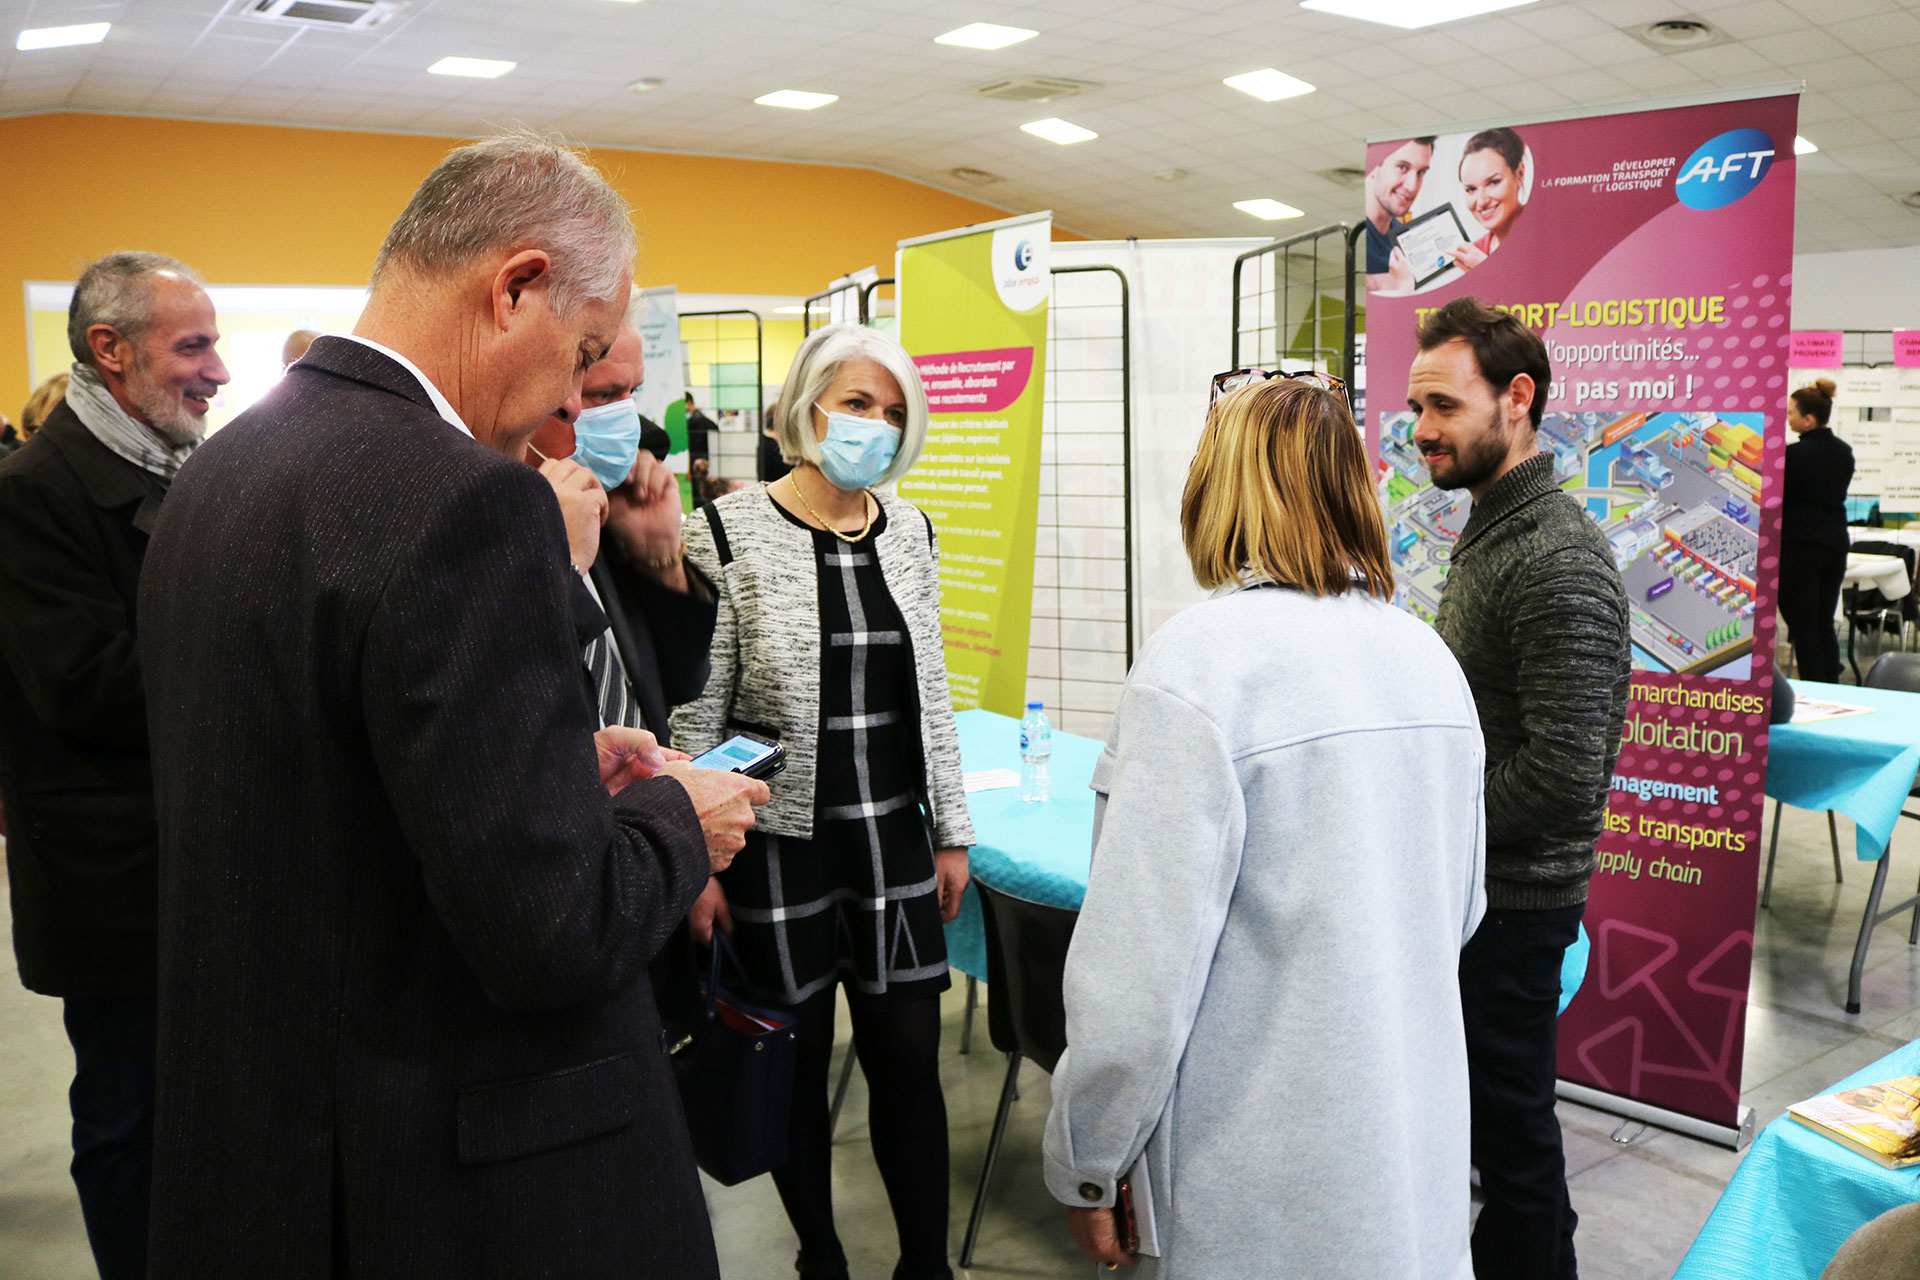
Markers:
point(821, 1267)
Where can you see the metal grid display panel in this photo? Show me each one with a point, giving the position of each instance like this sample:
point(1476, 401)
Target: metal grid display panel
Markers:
point(1078, 655)
point(721, 358)
point(1294, 303)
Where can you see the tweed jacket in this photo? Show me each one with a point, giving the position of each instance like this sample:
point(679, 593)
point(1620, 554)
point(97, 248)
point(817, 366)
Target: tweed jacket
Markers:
point(405, 1023)
point(766, 651)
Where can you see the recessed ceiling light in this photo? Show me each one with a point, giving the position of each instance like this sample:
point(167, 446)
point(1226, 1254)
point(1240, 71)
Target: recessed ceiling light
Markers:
point(478, 68)
point(985, 35)
point(645, 84)
point(789, 311)
point(1271, 210)
point(796, 99)
point(1268, 85)
point(1801, 147)
point(1054, 129)
point(1410, 15)
point(62, 37)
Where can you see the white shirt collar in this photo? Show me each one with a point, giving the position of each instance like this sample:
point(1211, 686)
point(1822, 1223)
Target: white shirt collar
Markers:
point(441, 404)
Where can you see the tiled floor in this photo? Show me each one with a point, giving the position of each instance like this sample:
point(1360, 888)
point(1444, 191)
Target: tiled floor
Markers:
point(1640, 1203)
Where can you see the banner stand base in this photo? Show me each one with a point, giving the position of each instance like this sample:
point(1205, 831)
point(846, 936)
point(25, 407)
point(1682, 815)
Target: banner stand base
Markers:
point(1735, 1137)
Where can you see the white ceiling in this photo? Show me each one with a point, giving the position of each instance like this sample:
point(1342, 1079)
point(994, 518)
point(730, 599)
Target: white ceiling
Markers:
point(906, 104)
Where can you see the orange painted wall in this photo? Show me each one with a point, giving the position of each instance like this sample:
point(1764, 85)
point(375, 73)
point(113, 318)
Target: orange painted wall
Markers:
point(256, 204)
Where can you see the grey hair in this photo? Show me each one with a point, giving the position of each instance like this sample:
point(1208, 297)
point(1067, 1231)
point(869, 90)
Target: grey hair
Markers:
point(517, 191)
point(814, 366)
point(630, 319)
point(117, 291)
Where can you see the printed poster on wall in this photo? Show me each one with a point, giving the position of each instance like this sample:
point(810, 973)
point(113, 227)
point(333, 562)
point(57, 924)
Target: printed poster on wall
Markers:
point(1652, 251)
point(973, 314)
point(662, 396)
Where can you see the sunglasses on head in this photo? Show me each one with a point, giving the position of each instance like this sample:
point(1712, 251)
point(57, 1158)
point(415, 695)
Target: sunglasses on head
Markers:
point(1238, 378)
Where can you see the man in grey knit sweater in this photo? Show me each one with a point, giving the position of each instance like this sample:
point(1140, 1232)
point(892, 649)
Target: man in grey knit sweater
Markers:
point(1534, 612)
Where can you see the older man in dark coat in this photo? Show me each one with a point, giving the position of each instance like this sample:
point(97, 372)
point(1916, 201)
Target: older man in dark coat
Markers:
point(406, 906)
point(77, 503)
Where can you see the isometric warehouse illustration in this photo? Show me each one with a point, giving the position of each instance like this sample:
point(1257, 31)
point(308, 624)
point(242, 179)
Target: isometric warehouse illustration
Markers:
point(1677, 496)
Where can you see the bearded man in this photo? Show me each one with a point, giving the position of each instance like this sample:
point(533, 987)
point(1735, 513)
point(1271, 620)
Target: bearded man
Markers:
point(77, 502)
point(1535, 613)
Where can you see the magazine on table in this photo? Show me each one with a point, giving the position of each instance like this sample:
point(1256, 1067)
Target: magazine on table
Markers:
point(1877, 1120)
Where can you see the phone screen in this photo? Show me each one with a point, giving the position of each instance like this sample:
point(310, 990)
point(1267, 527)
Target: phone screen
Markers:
point(735, 755)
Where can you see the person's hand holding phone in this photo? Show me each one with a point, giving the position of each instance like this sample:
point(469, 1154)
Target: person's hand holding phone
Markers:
point(628, 755)
point(724, 803)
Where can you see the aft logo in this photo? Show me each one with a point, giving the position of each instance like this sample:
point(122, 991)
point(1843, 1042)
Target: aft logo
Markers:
point(1725, 169)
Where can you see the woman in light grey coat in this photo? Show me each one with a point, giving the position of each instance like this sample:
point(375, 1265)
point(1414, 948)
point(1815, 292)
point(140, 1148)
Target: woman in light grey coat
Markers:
point(1262, 1003)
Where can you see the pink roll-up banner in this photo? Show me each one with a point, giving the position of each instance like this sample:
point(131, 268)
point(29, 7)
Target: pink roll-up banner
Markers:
point(1814, 349)
point(1906, 348)
point(1652, 249)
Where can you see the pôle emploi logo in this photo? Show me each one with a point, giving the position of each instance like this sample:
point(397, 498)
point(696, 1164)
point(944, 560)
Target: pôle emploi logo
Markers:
point(1724, 169)
point(1023, 255)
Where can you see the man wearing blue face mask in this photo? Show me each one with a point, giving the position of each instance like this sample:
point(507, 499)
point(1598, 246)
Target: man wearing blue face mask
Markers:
point(643, 615)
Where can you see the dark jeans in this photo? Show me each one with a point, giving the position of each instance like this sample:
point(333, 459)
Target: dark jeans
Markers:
point(1510, 994)
point(112, 1102)
point(898, 1041)
point(1808, 593)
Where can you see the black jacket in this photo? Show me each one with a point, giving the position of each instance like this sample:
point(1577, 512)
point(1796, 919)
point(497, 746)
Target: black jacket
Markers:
point(405, 1029)
point(74, 519)
point(1813, 492)
point(663, 635)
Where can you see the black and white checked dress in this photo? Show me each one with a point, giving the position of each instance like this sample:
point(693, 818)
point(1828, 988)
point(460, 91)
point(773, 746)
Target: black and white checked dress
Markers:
point(857, 901)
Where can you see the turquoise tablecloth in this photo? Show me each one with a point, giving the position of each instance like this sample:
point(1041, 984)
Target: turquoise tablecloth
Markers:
point(1862, 766)
point(1797, 1196)
point(1042, 852)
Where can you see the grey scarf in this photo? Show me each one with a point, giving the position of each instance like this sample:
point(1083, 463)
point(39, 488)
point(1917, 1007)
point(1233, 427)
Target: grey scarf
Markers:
point(115, 428)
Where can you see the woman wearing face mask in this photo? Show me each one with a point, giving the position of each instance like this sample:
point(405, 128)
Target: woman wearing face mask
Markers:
point(828, 642)
point(1493, 173)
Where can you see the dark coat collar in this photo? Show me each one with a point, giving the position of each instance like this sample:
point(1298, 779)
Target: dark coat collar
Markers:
point(345, 358)
point(1526, 483)
point(110, 480)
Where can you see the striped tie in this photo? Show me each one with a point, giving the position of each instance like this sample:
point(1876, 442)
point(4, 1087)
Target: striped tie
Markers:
point(617, 704)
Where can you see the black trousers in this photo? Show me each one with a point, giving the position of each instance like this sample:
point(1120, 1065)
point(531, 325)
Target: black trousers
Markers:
point(1809, 593)
point(112, 1102)
point(1510, 995)
point(898, 1040)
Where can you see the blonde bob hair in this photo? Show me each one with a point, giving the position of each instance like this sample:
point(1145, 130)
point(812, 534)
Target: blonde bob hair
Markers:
point(814, 366)
point(1280, 489)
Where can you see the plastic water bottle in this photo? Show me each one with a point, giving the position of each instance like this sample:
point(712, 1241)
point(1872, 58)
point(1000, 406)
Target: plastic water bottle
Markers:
point(1036, 753)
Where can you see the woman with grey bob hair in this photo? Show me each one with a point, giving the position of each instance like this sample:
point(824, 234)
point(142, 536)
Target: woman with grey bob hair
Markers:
point(815, 366)
point(828, 641)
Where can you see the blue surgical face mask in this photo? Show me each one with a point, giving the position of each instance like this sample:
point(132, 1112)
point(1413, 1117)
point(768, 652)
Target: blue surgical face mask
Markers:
point(857, 451)
point(606, 439)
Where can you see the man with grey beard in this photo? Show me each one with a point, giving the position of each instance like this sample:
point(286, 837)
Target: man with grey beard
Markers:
point(77, 503)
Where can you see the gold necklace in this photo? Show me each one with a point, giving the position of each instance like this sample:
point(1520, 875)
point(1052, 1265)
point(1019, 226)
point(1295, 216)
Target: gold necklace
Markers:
point(824, 522)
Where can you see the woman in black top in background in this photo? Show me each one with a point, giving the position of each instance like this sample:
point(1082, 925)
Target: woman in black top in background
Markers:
point(1813, 532)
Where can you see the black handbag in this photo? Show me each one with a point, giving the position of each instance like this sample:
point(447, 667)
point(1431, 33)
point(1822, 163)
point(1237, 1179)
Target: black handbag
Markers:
point(735, 1071)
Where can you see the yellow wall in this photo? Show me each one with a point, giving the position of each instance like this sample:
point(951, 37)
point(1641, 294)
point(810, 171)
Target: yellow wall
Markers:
point(257, 204)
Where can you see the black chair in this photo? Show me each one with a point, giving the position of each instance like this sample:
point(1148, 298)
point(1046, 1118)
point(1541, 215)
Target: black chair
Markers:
point(1866, 606)
point(1026, 1010)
